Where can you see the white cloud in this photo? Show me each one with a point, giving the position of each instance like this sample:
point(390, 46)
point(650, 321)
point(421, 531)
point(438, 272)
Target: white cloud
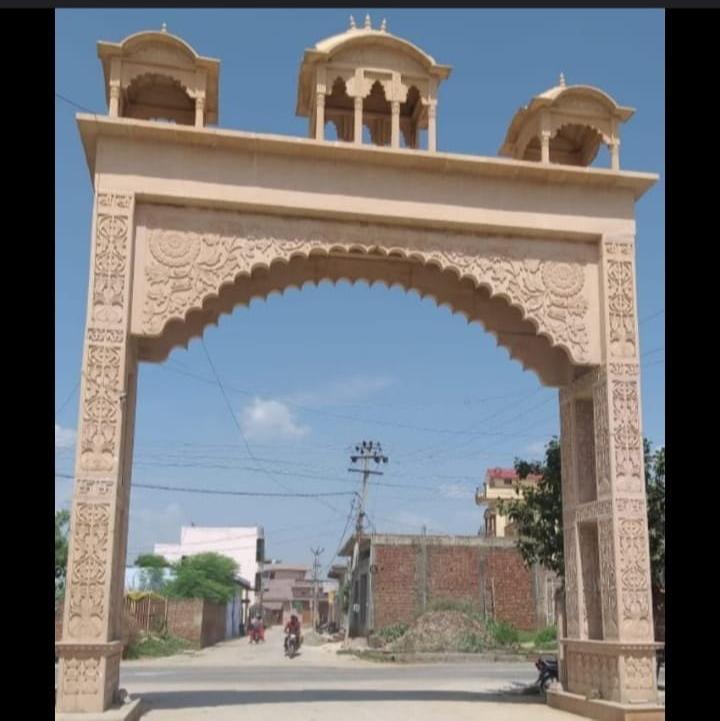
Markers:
point(538, 448)
point(341, 391)
point(270, 420)
point(457, 490)
point(64, 437)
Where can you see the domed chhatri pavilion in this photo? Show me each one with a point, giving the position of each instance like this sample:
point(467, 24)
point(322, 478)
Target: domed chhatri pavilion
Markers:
point(191, 220)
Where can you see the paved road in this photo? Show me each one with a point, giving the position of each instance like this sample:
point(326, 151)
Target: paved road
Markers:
point(257, 683)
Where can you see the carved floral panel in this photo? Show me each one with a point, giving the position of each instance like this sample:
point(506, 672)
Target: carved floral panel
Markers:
point(634, 566)
point(81, 676)
point(187, 265)
point(608, 582)
point(89, 566)
point(112, 239)
point(620, 290)
point(101, 409)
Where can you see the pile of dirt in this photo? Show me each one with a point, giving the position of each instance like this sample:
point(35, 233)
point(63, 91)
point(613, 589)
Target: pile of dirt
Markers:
point(442, 631)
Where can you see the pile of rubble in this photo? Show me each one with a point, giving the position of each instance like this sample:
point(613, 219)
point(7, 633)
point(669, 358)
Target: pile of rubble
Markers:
point(442, 631)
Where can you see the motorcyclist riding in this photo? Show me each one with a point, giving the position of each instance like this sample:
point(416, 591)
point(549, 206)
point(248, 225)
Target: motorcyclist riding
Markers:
point(292, 627)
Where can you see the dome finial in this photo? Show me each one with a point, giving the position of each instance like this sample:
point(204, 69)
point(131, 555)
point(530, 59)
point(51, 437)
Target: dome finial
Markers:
point(383, 26)
point(368, 26)
point(562, 80)
point(352, 23)
point(163, 28)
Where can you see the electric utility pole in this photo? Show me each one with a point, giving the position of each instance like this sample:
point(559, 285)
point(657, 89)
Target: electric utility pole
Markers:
point(365, 452)
point(316, 568)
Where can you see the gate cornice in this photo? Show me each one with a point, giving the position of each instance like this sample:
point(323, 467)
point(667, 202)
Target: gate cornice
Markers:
point(93, 126)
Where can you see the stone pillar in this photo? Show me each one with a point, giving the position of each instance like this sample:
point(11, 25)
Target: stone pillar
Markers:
point(432, 127)
point(90, 650)
point(200, 111)
point(358, 125)
point(114, 109)
point(545, 146)
point(615, 154)
point(609, 649)
point(395, 132)
point(320, 116)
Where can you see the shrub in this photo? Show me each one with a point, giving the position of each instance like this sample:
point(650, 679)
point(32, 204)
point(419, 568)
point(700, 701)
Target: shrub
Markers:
point(156, 645)
point(545, 637)
point(393, 632)
point(471, 642)
point(503, 633)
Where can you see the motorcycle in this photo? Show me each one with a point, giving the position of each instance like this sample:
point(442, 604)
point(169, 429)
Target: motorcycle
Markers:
point(257, 633)
point(291, 645)
point(547, 667)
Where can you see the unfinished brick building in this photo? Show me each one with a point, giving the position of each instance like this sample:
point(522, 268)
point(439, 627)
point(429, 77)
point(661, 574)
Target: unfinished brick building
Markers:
point(398, 576)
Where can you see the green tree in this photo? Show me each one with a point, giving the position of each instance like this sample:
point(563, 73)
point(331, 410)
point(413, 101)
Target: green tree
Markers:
point(206, 575)
point(152, 575)
point(655, 490)
point(537, 512)
point(62, 529)
point(151, 560)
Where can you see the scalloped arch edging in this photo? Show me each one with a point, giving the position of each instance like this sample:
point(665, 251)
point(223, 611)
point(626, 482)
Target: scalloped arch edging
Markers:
point(190, 262)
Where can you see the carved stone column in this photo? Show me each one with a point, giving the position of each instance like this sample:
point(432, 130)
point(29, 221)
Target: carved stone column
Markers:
point(114, 108)
point(395, 132)
point(358, 125)
point(609, 649)
point(545, 146)
point(200, 111)
point(432, 127)
point(320, 116)
point(90, 650)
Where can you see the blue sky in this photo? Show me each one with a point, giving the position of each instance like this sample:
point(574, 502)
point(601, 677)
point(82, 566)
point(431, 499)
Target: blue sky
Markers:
point(312, 372)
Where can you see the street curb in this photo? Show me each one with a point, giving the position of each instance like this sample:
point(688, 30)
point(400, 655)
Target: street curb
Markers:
point(403, 657)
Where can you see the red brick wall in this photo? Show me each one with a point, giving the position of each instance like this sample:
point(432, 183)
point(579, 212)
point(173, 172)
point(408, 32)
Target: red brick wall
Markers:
point(393, 585)
point(214, 621)
point(513, 588)
point(453, 573)
point(193, 619)
point(184, 619)
point(458, 573)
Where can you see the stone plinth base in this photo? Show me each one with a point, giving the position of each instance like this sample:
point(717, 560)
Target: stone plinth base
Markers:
point(604, 710)
point(126, 712)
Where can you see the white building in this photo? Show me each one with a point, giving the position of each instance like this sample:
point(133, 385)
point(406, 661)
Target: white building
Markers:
point(244, 545)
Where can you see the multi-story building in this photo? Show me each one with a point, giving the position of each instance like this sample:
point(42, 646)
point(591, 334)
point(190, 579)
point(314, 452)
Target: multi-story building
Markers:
point(244, 544)
point(500, 484)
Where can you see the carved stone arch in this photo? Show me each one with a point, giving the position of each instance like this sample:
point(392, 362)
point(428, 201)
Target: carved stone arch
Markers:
point(559, 124)
point(193, 261)
point(148, 94)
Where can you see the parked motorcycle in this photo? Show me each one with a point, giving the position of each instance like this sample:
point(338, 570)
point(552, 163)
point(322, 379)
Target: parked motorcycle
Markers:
point(547, 667)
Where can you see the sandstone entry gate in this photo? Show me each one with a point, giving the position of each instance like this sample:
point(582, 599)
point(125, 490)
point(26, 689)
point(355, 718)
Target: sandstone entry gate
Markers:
point(191, 220)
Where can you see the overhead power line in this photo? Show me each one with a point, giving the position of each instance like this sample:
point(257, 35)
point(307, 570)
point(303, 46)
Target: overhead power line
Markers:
point(242, 435)
point(74, 104)
point(341, 416)
point(220, 492)
point(217, 491)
